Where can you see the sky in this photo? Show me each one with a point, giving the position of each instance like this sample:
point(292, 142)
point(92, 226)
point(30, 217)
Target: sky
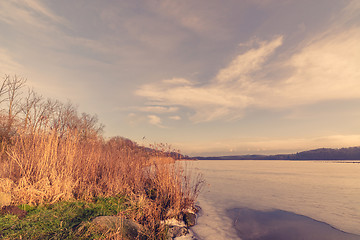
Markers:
point(208, 77)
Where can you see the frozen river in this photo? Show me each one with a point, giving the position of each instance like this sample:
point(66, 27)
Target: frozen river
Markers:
point(325, 191)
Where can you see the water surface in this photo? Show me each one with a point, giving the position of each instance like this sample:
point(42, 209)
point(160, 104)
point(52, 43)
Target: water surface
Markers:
point(327, 192)
point(282, 225)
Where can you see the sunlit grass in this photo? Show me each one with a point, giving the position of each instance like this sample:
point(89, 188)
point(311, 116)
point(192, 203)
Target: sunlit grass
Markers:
point(52, 159)
point(62, 220)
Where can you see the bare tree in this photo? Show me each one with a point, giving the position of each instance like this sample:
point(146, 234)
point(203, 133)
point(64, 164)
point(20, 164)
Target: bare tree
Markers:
point(4, 89)
point(64, 119)
point(11, 88)
point(38, 113)
point(89, 126)
point(32, 113)
point(14, 86)
point(29, 108)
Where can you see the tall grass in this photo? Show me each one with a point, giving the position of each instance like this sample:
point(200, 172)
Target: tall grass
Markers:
point(46, 168)
point(59, 155)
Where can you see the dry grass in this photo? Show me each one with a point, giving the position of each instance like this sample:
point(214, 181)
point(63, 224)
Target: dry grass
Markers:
point(50, 153)
point(47, 168)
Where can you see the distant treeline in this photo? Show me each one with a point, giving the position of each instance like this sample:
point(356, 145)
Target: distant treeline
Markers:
point(352, 153)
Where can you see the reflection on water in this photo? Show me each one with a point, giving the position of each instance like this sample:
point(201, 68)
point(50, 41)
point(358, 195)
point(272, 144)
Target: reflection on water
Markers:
point(281, 225)
point(325, 191)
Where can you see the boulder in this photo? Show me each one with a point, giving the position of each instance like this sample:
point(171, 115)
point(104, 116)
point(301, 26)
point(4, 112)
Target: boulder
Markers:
point(189, 219)
point(177, 231)
point(133, 229)
point(176, 228)
point(130, 228)
point(111, 222)
point(188, 236)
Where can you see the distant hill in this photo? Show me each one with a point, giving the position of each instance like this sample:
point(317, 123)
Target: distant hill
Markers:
point(352, 153)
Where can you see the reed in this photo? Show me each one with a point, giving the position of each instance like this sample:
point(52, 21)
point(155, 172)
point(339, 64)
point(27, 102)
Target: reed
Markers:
point(46, 168)
point(50, 153)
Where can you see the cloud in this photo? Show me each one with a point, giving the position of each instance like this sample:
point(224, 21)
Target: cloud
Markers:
point(175, 118)
point(136, 119)
point(184, 13)
point(39, 8)
point(224, 96)
point(324, 68)
point(8, 65)
point(157, 109)
point(155, 120)
point(348, 14)
point(249, 62)
point(31, 12)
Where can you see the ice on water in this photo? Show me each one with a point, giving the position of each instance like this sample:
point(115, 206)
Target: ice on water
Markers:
point(325, 191)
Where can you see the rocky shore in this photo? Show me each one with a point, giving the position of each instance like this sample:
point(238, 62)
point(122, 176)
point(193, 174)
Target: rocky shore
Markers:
point(177, 228)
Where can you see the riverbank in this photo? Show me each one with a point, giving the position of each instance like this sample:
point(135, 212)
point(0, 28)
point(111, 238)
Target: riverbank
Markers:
point(50, 155)
point(98, 218)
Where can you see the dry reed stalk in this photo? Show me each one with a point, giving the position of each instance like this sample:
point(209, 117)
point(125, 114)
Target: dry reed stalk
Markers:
point(60, 155)
point(47, 167)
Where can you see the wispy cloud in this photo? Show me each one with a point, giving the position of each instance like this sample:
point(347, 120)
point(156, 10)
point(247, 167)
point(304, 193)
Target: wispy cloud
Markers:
point(325, 68)
point(157, 109)
point(228, 93)
point(186, 14)
point(39, 8)
point(348, 14)
point(175, 118)
point(8, 65)
point(249, 62)
point(136, 119)
point(30, 12)
point(155, 120)
point(42, 26)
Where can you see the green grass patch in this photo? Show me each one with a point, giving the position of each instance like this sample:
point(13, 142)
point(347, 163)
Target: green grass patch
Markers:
point(62, 220)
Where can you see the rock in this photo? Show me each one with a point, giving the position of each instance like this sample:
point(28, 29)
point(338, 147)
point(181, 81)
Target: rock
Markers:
point(111, 222)
point(5, 199)
point(176, 228)
point(197, 209)
point(131, 229)
point(188, 236)
point(189, 219)
point(180, 229)
point(177, 231)
point(174, 222)
point(14, 211)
